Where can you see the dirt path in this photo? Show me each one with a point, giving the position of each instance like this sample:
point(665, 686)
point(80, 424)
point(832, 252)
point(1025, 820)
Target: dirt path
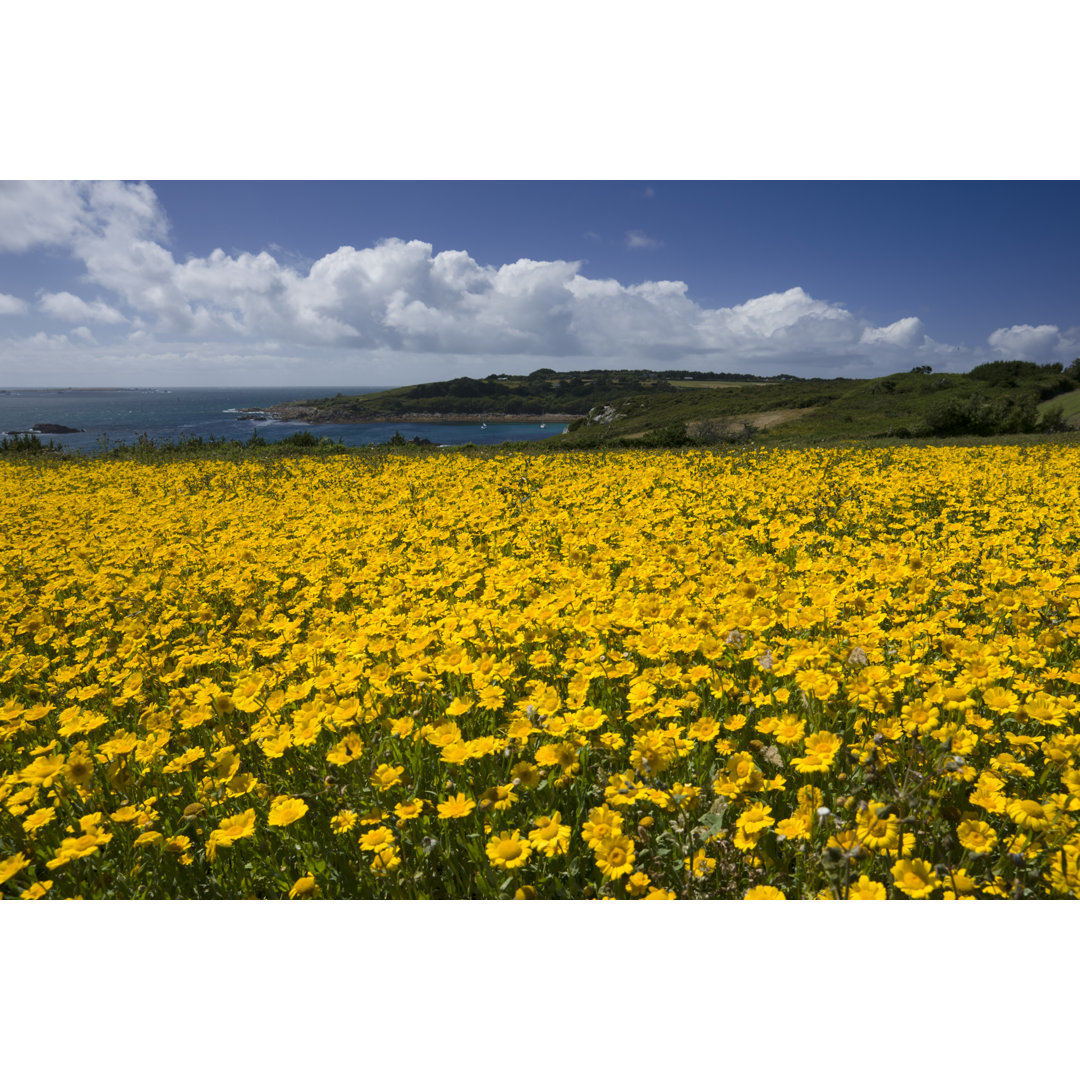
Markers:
point(760, 421)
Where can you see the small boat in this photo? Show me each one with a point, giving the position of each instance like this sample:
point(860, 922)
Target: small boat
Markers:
point(483, 425)
point(543, 425)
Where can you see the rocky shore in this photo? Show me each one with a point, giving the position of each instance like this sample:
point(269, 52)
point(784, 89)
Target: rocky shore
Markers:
point(49, 429)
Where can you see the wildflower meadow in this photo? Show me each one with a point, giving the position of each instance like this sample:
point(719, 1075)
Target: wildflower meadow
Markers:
point(817, 673)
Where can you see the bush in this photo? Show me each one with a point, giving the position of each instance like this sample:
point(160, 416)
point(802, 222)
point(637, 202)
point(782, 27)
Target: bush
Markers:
point(301, 438)
point(1053, 420)
point(670, 435)
point(978, 415)
point(25, 444)
point(1005, 372)
point(711, 432)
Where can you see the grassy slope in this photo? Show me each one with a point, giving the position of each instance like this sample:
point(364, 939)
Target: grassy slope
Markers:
point(664, 408)
point(1070, 406)
point(895, 406)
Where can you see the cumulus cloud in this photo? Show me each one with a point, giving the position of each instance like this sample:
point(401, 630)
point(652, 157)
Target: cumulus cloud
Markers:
point(401, 298)
point(904, 334)
point(635, 238)
point(65, 305)
point(36, 214)
point(1040, 344)
point(73, 214)
point(12, 305)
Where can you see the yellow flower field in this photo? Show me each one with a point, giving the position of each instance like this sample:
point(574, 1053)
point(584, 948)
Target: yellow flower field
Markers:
point(795, 674)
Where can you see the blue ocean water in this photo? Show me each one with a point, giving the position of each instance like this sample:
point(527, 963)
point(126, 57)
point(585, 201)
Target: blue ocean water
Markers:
point(166, 415)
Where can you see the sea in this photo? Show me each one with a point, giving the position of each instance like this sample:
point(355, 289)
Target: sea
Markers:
point(109, 416)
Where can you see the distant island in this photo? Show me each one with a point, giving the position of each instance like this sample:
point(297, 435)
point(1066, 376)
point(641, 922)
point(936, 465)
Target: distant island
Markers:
point(673, 408)
point(84, 390)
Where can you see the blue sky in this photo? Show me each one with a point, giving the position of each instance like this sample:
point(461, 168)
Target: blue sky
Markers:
point(377, 282)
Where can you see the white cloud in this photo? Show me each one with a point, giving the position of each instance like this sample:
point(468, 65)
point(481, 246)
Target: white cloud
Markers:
point(1039, 344)
point(65, 305)
point(33, 214)
point(399, 301)
point(12, 305)
point(75, 214)
point(41, 340)
point(904, 334)
point(635, 238)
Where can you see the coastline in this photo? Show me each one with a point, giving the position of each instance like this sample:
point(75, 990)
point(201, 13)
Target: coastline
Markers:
point(312, 414)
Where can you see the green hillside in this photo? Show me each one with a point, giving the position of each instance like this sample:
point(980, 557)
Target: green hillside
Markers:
point(673, 408)
point(543, 392)
point(994, 399)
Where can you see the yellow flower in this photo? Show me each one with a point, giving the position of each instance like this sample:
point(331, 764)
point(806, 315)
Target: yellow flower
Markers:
point(385, 860)
point(246, 695)
point(36, 891)
point(789, 730)
point(457, 806)
point(915, 878)
point(563, 754)
point(702, 864)
point(377, 839)
point(406, 811)
point(615, 856)
point(976, 836)
point(961, 882)
point(821, 748)
point(346, 751)
point(550, 837)
point(343, 822)
point(602, 825)
point(796, 827)
point(704, 729)
point(38, 818)
point(755, 819)
point(865, 889)
point(526, 773)
point(1029, 814)
point(78, 847)
point(765, 892)
point(234, 828)
point(43, 771)
point(500, 797)
point(284, 811)
point(740, 775)
point(455, 753)
point(508, 851)
point(11, 866)
point(387, 776)
point(241, 783)
point(876, 829)
point(304, 888)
